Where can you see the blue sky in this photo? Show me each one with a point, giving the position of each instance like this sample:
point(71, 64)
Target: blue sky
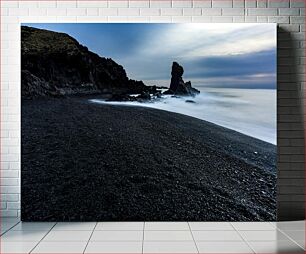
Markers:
point(213, 55)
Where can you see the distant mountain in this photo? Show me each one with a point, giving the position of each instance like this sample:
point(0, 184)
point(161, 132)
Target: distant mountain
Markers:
point(55, 64)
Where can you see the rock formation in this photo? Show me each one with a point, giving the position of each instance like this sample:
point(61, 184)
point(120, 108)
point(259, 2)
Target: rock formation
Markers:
point(55, 64)
point(177, 85)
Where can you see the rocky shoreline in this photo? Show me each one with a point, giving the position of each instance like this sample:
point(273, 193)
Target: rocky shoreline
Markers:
point(56, 65)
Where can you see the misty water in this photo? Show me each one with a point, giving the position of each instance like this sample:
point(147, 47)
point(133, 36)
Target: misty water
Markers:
point(249, 111)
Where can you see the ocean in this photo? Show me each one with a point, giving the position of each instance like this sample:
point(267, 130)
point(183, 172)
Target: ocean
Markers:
point(248, 111)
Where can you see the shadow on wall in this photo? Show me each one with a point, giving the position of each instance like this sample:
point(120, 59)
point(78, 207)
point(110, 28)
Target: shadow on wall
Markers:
point(290, 130)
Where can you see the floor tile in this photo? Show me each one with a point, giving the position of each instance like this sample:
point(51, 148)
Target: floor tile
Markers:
point(114, 247)
point(120, 226)
point(276, 247)
point(273, 235)
point(216, 236)
point(5, 226)
point(166, 226)
point(291, 225)
point(9, 220)
point(296, 235)
point(69, 226)
point(222, 226)
point(69, 236)
point(169, 247)
point(223, 247)
point(33, 226)
point(23, 236)
point(60, 247)
point(253, 226)
point(17, 247)
point(168, 236)
point(101, 236)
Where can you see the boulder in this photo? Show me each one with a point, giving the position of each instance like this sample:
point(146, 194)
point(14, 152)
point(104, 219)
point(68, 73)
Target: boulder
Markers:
point(177, 84)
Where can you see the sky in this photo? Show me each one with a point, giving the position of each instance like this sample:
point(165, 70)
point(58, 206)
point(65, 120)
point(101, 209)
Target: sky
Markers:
point(213, 55)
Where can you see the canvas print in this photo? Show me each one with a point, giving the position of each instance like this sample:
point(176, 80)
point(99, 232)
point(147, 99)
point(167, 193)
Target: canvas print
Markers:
point(155, 122)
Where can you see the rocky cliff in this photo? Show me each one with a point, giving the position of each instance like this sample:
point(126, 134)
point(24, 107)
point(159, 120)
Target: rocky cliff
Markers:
point(55, 64)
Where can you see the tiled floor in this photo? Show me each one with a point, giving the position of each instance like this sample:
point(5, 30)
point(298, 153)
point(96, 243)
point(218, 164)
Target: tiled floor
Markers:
point(152, 237)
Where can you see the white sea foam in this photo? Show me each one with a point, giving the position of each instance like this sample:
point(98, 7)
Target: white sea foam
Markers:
point(249, 111)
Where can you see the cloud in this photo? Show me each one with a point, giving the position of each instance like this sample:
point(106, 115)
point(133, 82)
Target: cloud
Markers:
point(208, 51)
point(198, 40)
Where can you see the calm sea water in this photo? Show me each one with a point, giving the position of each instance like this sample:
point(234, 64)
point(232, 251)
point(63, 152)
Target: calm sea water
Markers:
point(249, 111)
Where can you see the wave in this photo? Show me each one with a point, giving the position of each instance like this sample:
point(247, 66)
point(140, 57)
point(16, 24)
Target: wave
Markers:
point(248, 111)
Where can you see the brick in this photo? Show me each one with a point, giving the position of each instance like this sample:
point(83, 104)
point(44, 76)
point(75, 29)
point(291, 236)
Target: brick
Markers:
point(192, 11)
point(128, 12)
point(222, 19)
point(211, 11)
point(233, 12)
point(47, 4)
point(249, 19)
point(181, 19)
point(4, 12)
point(28, 4)
point(160, 4)
point(9, 173)
point(202, 3)
point(38, 11)
point(139, 4)
point(9, 197)
point(92, 4)
point(118, 4)
point(182, 3)
point(92, 11)
point(250, 3)
point(76, 11)
point(239, 19)
point(261, 19)
point(137, 19)
point(9, 181)
point(150, 12)
point(222, 3)
point(18, 12)
point(3, 205)
point(238, 3)
point(57, 12)
point(289, 11)
point(13, 205)
point(262, 3)
point(297, 3)
point(9, 213)
point(262, 12)
point(201, 19)
point(9, 4)
point(279, 20)
point(172, 11)
point(278, 3)
point(108, 11)
point(297, 20)
point(66, 4)
point(117, 19)
point(160, 19)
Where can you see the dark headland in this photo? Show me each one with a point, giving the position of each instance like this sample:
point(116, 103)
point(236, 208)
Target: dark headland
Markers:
point(88, 162)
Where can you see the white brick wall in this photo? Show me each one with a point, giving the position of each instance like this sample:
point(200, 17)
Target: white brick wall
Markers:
point(291, 72)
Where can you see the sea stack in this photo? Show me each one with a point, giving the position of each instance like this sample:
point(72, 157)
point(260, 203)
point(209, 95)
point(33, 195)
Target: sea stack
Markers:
point(177, 85)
